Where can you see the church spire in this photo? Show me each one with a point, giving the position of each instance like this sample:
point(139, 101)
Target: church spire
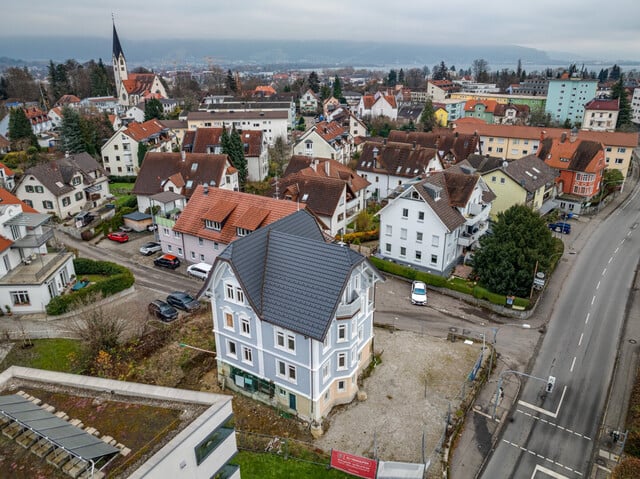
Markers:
point(119, 62)
point(117, 49)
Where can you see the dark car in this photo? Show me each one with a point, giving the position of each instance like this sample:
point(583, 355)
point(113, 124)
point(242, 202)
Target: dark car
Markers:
point(163, 311)
point(560, 227)
point(182, 300)
point(167, 261)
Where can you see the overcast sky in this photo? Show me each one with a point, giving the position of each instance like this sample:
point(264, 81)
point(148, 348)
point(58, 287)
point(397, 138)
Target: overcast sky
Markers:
point(590, 28)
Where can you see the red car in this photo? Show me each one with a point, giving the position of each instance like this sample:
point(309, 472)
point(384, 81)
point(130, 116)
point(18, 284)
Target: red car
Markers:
point(118, 236)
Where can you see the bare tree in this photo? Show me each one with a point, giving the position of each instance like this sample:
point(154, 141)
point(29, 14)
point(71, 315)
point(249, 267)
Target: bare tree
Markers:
point(480, 69)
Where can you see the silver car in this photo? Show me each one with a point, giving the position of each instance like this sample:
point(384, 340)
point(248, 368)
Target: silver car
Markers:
point(150, 248)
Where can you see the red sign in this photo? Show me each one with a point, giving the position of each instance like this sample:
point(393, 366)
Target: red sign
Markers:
point(356, 465)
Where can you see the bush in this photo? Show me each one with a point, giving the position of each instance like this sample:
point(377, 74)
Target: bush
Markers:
point(122, 179)
point(361, 236)
point(119, 278)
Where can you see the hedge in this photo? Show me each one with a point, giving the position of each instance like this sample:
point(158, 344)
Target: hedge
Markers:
point(119, 278)
point(441, 282)
point(360, 236)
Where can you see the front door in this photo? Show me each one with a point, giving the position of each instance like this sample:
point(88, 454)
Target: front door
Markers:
point(292, 401)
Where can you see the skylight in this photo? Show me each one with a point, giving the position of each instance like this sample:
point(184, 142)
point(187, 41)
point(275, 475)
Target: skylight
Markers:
point(194, 167)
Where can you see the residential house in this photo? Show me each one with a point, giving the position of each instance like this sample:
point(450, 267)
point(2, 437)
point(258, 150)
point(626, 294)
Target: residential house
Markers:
point(121, 152)
point(513, 142)
point(511, 114)
point(433, 221)
point(329, 105)
point(409, 113)
point(441, 114)
point(178, 129)
point(635, 106)
point(533, 102)
point(103, 104)
point(293, 317)
point(349, 121)
point(326, 139)
point(7, 178)
point(256, 151)
point(66, 186)
point(440, 90)
point(532, 87)
point(252, 108)
point(388, 165)
point(273, 124)
point(40, 121)
point(525, 181)
point(481, 109)
point(133, 114)
point(68, 100)
point(30, 274)
point(581, 164)
point(601, 115)
point(181, 173)
point(55, 115)
point(309, 102)
point(264, 91)
point(451, 146)
point(566, 98)
point(373, 106)
point(215, 217)
point(329, 189)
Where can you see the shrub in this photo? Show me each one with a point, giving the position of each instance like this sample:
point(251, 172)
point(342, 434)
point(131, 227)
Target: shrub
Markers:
point(361, 236)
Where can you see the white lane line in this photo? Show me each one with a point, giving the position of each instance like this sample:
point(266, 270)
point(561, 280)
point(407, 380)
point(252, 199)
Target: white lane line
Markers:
point(616, 250)
point(593, 300)
point(598, 285)
point(586, 321)
point(545, 411)
point(604, 271)
point(610, 260)
point(538, 418)
point(580, 341)
point(573, 363)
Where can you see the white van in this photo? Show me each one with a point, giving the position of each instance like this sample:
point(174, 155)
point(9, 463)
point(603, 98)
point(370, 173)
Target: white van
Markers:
point(199, 270)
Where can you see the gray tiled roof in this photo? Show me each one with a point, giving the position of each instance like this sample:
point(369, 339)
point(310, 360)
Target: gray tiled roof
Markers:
point(56, 175)
point(291, 276)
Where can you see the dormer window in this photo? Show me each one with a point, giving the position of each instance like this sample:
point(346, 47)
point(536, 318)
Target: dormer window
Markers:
point(242, 231)
point(76, 180)
point(212, 225)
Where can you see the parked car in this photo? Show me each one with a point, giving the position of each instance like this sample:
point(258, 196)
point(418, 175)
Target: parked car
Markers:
point(199, 270)
point(118, 236)
point(561, 227)
point(418, 293)
point(150, 248)
point(162, 310)
point(182, 300)
point(167, 261)
point(126, 229)
point(152, 227)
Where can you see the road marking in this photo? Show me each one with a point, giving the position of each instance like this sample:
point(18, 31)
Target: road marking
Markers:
point(543, 469)
point(538, 418)
point(598, 285)
point(545, 411)
point(580, 341)
point(586, 321)
point(610, 260)
point(616, 250)
point(593, 300)
point(604, 271)
point(572, 364)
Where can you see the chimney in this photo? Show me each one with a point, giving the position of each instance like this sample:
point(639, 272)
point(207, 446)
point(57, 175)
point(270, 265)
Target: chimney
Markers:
point(384, 141)
point(375, 152)
point(66, 154)
point(183, 155)
point(414, 146)
point(574, 135)
point(205, 189)
point(563, 137)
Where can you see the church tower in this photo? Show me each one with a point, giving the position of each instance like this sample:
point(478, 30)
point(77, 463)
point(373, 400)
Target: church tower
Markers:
point(119, 63)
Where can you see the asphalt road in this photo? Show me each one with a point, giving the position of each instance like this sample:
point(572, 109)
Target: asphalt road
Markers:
point(553, 434)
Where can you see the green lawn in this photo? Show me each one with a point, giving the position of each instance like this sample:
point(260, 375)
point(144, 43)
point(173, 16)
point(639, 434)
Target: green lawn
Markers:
point(120, 188)
point(49, 354)
point(255, 465)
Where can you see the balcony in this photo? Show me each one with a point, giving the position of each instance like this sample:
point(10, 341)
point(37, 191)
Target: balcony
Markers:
point(478, 212)
point(349, 310)
point(38, 270)
point(468, 238)
point(34, 240)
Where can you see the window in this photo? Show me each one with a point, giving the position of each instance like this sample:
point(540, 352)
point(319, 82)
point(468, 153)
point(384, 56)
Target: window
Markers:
point(405, 212)
point(619, 161)
point(388, 230)
point(419, 237)
point(286, 371)
point(245, 327)
point(176, 234)
point(169, 248)
point(213, 225)
point(28, 203)
point(435, 241)
point(78, 196)
point(403, 251)
point(228, 291)
point(19, 297)
point(29, 189)
point(200, 241)
point(325, 371)
point(342, 333)
point(387, 247)
point(213, 440)
point(420, 215)
point(285, 341)
point(502, 180)
point(215, 245)
point(231, 349)
point(360, 333)
point(47, 205)
point(403, 233)
point(242, 231)
point(247, 355)
point(193, 255)
point(342, 361)
point(418, 255)
point(341, 386)
point(179, 251)
point(239, 295)
point(228, 321)
point(165, 231)
point(201, 257)
point(66, 201)
point(434, 259)
point(622, 150)
point(76, 180)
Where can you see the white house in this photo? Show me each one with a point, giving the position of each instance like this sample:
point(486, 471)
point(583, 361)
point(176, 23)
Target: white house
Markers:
point(372, 106)
point(326, 139)
point(66, 186)
point(434, 220)
point(635, 106)
point(273, 124)
point(309, 102)
point(293, 317)
point(601, 115)
point(7, 178)
point(30, 274)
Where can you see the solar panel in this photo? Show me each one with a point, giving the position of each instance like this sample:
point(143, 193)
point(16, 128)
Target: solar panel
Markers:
point(58, 431)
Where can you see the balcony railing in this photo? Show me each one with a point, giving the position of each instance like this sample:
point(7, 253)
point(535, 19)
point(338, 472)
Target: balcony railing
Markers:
point(34, 240)
point(467, 239)
point(349, 310)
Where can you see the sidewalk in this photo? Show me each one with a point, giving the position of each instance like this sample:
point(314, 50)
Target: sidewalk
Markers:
point(481, 431)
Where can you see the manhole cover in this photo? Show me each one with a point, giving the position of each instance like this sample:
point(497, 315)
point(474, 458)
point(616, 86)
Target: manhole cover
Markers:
point(633, 341)
point(453, 330)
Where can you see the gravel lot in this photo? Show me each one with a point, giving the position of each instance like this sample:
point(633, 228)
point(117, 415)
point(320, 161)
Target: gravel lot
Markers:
point(396, 410)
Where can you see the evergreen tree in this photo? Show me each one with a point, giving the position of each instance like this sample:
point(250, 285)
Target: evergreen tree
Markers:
point(142, 152)
point(615, 73)
point(71, 132)
point(153, 109)
point(224, 139)
point(401, 79)
point(231, 84)
point(325, 92)
point(440, 72)
point(20, 132)
point(314, 82)
point(392, 78)
point(428, 117)
point(337, 88)
point(624, 113)
point(3, 88)
point(101, 84)
point(235, 152)
point(519, 69)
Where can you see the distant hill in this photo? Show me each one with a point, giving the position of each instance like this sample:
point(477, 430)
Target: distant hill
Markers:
point(233, 52)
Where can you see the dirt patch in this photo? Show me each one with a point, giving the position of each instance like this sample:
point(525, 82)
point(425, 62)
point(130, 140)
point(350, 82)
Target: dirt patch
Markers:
point(409, 394)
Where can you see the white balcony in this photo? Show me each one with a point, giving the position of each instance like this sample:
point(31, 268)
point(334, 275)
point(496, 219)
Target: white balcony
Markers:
point(467, 238)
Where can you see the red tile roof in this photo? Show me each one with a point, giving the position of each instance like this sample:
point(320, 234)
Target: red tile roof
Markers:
point(203, 140)
point(329, 131)
point(7, 171)
point(234, 210)
point(368, 101)
point(7, 198)
point(143, 131)
point(264, 90)
point(139, 83)
point(5, 243)
point(607, 105)
point(327, 168)
point(577, 155)
point(490, 105)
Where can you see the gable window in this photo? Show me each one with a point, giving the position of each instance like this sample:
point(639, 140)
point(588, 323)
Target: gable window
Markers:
point(212, 225)
point(176, 234)
point(78, 196)
point(228, 321)
point(75, 181)
point(39, 189)
point(29, 188)
point(239, 295)
point(342, 333)
point(245, 327)
point(247, 355)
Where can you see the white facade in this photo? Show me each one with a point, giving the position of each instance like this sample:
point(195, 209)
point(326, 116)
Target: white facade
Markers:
point(273, 124)
point(311, 143)
point(635, 106)
point(383, 108)
point(309, 102)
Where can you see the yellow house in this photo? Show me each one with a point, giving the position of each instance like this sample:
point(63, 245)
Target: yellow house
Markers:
point(511, 142)
point(527, 181)
point(442, 116)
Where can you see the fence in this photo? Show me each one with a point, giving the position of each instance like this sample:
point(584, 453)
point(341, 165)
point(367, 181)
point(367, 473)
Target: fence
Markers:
point(288, 448)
